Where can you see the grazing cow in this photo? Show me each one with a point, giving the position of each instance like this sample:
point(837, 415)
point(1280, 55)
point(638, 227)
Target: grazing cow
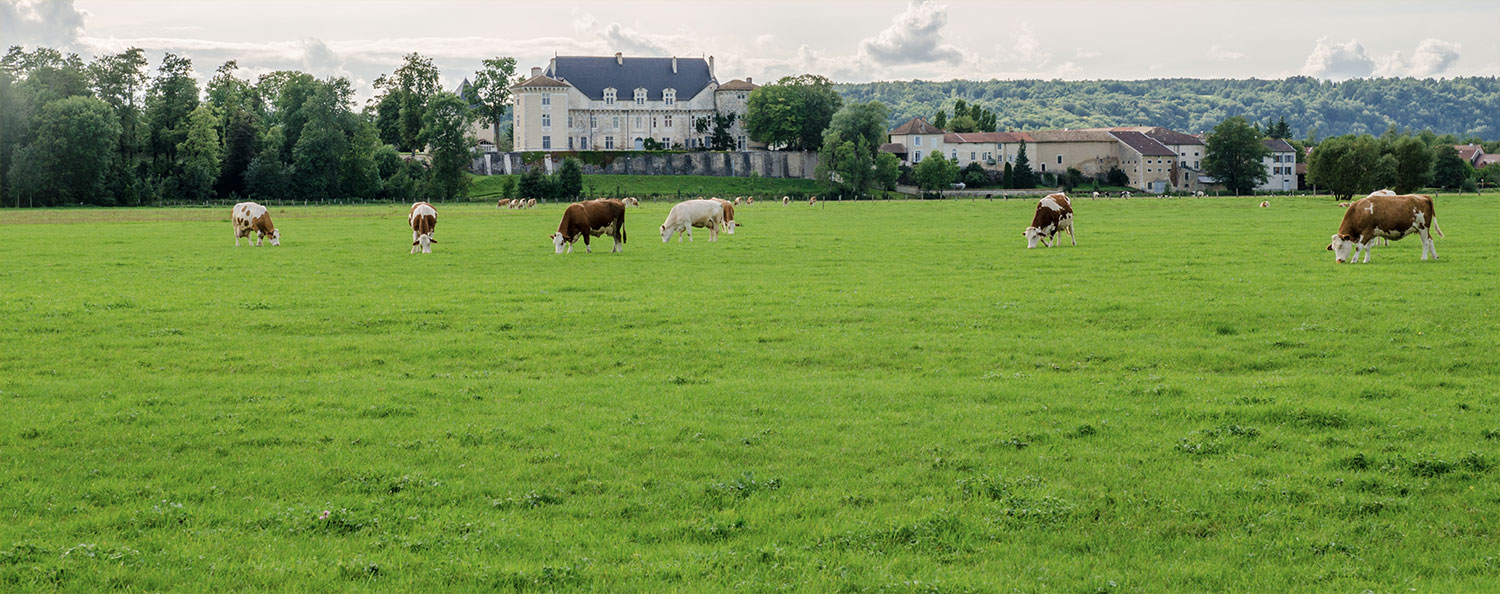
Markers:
point(693, 213)
point(423, 220)
point(1265, 204)
point(1053, 214)
point(785, 200)
point(590, 218)
point(632, 202)
point(749, 200)
point(1343, 205)
point(1385, 216)
point(728, 223)
point(1124, 194)
point(531, 203)
point(249, 217)
point(502, 202)
point(736, 200)
point(1198, 194)
point(1096, 194)
point(812, 201)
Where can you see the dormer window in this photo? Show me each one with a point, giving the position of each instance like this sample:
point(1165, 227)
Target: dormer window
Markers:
point(669, 96)
point(640, 96)
point(609, 96)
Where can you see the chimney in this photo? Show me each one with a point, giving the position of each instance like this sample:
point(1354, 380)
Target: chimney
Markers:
point(749, 80)
point(674, 64)
point(536, 71)
point(710, 66)
point(619, 59)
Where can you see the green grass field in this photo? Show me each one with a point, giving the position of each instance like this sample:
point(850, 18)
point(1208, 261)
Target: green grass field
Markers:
point(872, 397)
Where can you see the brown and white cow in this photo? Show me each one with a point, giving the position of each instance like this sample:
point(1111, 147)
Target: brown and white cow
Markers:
point(531, 203)
point(632, 202)
point(503, 202)
point(423, 220)
point(749, 200)
point(812, 201)
point(693, 213)
point(590, 218)
point(249, 217)
point(1385, 216)
point(1053, 214)
point(728, 223)
point(1265, 204)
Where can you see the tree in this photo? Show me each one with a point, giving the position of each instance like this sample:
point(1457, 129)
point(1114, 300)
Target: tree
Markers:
point(1489, 175)
point(241, 145)
point(1413, 164)
point(846, 166)
point(171, 99)
point(722, 138)
point(1116, 177)
point(1021, 175)
point(1008, 177)
point(793, 112)
point(70, 158)
point(975, 176)
point(266, 176)
point(118, 80)
point(1448, 169)
point(963, 123)
point(534, 185)
point(888, 170)
point(1279, 130)
point(1347, 165)
point(490, 91)
point(413, 84)
point(569, 183)
point(446, 126)
point(935, 173)
point(863, 121)
point(940, 120)
point(198, 156)
point(1233, 156)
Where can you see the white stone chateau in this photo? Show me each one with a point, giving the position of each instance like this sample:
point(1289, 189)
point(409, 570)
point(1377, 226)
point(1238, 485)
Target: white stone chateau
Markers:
point(615, 103)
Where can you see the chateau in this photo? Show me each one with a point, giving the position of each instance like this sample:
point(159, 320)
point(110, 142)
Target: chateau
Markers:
point(589, 103)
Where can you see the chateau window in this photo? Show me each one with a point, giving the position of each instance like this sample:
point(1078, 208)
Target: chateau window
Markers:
point(655, 121)
point(593, 121)
point(666, 143)
point(669, 96)
point(609, 96)
point(1059, 159)
point(638, 122)
point(917, 157)
point(583, 143)
point(570, 121)
point(740, 142)
point(955, 155)
point(667, 120)
point(546, 142)
point(640, 96)
point(740, 96)
point(546, 99)
point(616, 122)
point(916, 141)
point(971, 155)
point(609, 143)
point(570, 143)
point(546, 120)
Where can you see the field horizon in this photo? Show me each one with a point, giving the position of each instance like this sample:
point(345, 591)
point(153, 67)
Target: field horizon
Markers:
point(890, 396)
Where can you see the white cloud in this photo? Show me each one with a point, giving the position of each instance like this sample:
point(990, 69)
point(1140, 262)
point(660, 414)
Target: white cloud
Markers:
point(1433, 56)
point(52, 23)
point(1083, 54)
point(914, 37)
point(1027, 50)
point(1338, 61)
point(1218, 52)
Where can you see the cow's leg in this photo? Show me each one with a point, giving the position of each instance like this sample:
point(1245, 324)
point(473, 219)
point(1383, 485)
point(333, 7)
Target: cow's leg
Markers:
point(1366, 248)
point(1428, 245)
point(687, 231)
point(1070, 234)
point(586, 247)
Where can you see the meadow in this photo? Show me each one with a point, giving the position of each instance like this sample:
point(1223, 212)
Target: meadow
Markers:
point(664, 187)
point(854, 397)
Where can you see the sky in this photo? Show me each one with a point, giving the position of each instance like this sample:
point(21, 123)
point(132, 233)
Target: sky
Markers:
point(848, 41)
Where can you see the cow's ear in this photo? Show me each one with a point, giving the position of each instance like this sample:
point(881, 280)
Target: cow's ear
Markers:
point(414, 243)
point(1330, 247)
point(431, 240)
point(1347, 237)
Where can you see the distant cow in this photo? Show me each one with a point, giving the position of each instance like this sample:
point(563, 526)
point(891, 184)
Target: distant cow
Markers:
point(736, 200)
point(812, 201)
point(591, 218)
point(1385, 216)
point(632, 202)
point(728, 223)
point(1096, 194)
point(423, 220)
point(749, 200)
point(785, 200)
point(693, 213)
point(1198, 194)
point(502, 202)
point(1124, 194)
point(249, 217)
point(1053, 214)
point(1265, 204)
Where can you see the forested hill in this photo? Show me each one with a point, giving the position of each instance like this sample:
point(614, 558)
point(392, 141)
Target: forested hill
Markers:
point(1460, 106)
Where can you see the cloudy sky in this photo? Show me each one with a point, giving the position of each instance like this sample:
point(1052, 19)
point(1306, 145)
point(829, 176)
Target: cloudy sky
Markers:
point(849, 41)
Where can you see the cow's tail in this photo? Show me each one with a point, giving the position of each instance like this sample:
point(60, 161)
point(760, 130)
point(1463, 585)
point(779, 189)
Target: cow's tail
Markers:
point(1435, 227)
point(622, 235)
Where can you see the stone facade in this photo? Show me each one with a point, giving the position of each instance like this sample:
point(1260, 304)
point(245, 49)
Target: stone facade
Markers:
point(770, 164)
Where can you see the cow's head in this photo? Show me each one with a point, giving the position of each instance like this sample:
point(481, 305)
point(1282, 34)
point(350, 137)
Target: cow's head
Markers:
point(1341, 246)
point(559, 243)
point(666, 233)
point(275, 237)
point(425, 240)
point(730, 225)
point(1033, 235)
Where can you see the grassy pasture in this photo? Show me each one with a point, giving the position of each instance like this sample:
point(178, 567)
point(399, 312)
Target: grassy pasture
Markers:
point(666, 186)
point(874, 397)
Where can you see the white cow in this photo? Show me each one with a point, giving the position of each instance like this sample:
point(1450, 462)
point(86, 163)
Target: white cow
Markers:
point(423, 221)
point(693, 213)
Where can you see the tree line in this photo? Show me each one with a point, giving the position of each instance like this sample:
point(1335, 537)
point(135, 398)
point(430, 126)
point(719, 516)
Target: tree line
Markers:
point(1462, 106)
point(112, 132)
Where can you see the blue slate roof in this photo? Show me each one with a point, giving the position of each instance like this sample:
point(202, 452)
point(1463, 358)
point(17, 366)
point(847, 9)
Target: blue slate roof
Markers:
point(591, 75)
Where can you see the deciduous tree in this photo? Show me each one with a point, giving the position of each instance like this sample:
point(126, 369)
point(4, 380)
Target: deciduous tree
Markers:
point(1233, 156)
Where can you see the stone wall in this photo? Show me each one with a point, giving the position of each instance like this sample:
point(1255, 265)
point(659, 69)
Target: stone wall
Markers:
point(773, 164)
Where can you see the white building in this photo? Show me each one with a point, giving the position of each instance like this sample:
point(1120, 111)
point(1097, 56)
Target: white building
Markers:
point(1281, 167)
point(616, 103)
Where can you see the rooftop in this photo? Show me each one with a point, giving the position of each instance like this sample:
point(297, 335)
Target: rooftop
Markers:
point(1278, 145)
point(592, 74)
point(917, 125)
point(1143, 144)
point(985, 137)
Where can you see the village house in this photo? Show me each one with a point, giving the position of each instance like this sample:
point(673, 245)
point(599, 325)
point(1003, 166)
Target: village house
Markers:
point(1281, 166)
point(617, 103)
